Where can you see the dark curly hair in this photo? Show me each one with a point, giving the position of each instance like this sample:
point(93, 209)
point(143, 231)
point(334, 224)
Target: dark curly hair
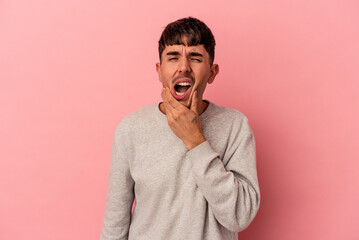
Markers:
point(196, 32)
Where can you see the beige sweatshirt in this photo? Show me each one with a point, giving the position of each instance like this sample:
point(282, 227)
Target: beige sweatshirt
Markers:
point(208, 193)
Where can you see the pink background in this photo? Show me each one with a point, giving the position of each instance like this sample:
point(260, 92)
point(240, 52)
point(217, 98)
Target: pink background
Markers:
point(70, 70)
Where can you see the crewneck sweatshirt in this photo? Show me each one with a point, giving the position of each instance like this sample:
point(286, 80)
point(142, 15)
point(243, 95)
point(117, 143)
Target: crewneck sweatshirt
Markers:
point(207, 193)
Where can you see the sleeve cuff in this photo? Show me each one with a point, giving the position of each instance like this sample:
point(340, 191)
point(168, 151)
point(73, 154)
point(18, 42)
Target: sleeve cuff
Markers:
point(201, 155)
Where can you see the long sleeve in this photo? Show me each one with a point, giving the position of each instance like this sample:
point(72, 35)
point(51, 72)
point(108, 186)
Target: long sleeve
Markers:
point(120, 193)
point(231, 189)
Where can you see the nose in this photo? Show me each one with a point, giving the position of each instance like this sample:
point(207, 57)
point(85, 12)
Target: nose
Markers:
point(184, 65)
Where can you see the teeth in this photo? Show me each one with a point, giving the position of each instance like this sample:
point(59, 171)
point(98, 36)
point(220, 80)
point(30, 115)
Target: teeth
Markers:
point(184, 84)
point(179, 94)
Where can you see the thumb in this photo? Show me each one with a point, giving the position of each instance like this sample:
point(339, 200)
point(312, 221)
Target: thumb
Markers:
point(194, 104)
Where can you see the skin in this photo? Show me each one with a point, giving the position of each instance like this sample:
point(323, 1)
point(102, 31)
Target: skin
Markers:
point(180, 61)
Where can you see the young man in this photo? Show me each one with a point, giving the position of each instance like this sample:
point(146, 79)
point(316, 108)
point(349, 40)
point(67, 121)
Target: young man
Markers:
point(190, 164)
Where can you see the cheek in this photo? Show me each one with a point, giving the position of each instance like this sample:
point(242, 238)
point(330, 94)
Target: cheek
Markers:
point(164, 81)
point(161, 76)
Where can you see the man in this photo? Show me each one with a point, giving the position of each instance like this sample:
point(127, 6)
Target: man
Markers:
point(190, 164)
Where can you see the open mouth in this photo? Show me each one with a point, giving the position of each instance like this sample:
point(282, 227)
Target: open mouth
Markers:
point(181, 90)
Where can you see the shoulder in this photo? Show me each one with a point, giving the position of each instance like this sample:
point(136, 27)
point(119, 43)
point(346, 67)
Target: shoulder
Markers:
point(227, 115)
point(141, 117)
point(144, 114)
point(227, 122)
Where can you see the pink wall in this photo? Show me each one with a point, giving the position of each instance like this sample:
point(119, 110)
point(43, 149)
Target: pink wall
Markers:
point(70, 70)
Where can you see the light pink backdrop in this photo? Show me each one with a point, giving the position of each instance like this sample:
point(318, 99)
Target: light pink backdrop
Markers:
point(70, 70)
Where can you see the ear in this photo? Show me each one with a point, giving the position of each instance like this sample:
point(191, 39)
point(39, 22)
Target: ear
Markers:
point(214, 72)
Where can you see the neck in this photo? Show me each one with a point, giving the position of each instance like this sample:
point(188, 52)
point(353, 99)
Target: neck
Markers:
point(203, 106)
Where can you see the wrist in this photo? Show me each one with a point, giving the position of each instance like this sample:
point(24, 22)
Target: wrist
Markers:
point(194, 142)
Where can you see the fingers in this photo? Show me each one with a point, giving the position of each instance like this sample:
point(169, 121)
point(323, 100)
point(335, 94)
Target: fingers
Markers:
point(173, 106)
point(194, 104)
point(168, 108)
point(167, 96)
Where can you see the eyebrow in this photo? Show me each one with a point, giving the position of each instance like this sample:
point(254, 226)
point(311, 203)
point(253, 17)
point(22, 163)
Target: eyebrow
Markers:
point(193, 54)
point(172, 53)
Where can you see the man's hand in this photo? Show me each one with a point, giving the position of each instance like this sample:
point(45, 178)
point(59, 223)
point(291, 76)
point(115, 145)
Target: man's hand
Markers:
point(184, 122)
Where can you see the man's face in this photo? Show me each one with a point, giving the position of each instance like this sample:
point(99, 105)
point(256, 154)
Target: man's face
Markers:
point(185, 69)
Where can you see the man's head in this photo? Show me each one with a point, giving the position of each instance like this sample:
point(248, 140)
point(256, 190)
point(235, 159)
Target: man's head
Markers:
point(186, 51)
point(196, 32)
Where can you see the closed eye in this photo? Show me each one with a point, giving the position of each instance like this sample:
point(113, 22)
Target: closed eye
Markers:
point(174, 58)
point(196, 59)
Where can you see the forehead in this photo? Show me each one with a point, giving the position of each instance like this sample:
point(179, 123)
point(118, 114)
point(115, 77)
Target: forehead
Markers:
point(185, 49)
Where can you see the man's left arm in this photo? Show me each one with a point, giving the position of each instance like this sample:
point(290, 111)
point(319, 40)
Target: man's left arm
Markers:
point(231, 191)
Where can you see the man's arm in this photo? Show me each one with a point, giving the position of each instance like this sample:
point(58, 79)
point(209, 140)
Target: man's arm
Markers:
point(231, 191)
point(120, 193)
